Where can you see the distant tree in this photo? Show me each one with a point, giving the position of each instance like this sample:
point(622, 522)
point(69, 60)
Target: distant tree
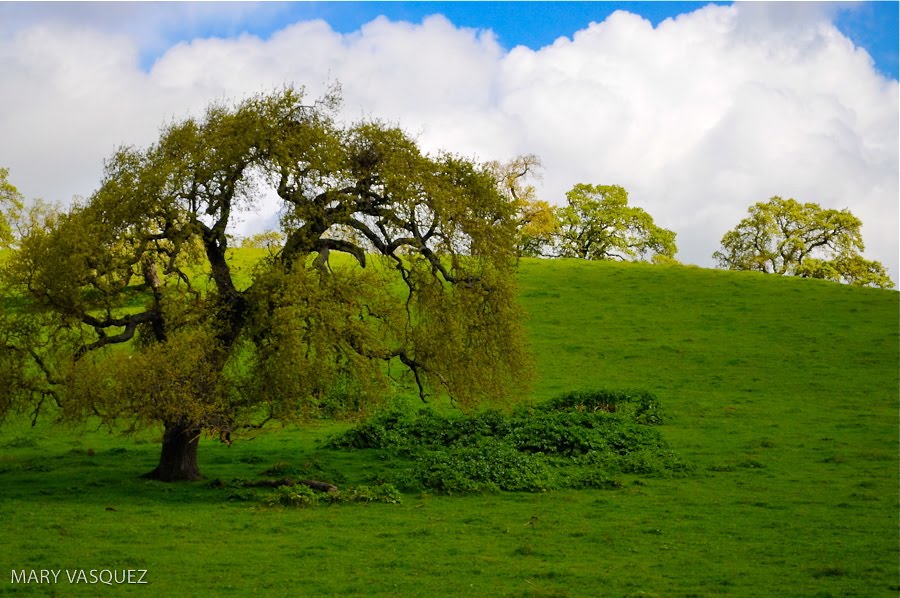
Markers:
point(10, 208)
point(784, 236)
point(598, 224)
point(126, 307)
point(265, 240)
point(537, 227)
point(666, 260)
point(536, 222)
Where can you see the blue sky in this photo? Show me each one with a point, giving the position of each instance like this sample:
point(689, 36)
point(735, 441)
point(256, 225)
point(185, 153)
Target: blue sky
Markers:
point(876, 27)
point(872, 25)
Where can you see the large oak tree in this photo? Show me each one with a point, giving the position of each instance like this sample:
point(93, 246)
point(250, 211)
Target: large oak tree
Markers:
point(784, 236)
point(598, 224)
point(396, 267)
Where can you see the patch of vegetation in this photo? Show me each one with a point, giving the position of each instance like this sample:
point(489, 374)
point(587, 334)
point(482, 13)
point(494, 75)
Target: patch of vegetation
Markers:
point(641, 406)
point(576, 440)
point(384, 493)
point(493, 465)
point(21, 442)
point(299, 495)
point(286, 492)
point(292, 496)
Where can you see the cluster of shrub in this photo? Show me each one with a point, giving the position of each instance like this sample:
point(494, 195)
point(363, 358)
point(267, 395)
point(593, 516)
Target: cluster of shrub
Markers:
point(286, 492)
point(304, 496)
point(577, 440)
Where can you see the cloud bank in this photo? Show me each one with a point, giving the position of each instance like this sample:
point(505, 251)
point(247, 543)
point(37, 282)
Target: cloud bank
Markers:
point(698, 117)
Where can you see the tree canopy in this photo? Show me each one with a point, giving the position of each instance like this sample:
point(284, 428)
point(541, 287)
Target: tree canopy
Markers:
point(10, 208)
point(598, 224)
point(536, 222)
point(784, 236)
point(396, 267)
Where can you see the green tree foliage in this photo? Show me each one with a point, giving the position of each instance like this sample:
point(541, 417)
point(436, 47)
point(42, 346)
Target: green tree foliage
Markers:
point(598, 224)
point(130, 310)
point(10, 208)
point(783, 236)
point(536, 222)
point(270, 239)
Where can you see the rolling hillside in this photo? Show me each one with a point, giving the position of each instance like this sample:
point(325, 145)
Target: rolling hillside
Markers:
point(781, 393)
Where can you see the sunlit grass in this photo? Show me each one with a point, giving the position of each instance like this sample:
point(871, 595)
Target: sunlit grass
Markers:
point(781, 393)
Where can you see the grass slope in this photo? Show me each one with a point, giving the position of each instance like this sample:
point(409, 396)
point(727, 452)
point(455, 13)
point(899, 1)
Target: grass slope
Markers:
point(782, 393)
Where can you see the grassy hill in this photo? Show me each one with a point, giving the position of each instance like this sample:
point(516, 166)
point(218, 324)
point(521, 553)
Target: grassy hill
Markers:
point(781, 393)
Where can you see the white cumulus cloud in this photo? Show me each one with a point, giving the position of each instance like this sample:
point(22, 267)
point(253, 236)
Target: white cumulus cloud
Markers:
point(698, 117)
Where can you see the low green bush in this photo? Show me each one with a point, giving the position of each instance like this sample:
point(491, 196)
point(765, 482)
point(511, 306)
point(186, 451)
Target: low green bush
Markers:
point(384, 493)
point(490, 467)
point(424, 428)
point(300, 496)
point(579, 439)
point(640, 405)
point(293, 496)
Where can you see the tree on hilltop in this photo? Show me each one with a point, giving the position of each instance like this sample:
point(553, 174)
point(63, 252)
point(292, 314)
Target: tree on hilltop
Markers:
point(536, 222)
point(598, 224)
point(128, 309)
point(10, 208)
point(270, 239)
point(783, 236)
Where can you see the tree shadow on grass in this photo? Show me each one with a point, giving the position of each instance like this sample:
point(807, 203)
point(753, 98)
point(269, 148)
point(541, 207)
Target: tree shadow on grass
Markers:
point(109, 478)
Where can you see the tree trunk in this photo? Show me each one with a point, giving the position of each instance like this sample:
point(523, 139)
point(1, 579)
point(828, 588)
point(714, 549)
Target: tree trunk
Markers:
point(178, 460)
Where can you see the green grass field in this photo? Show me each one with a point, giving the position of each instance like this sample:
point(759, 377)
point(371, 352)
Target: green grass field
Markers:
point(781, 393)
